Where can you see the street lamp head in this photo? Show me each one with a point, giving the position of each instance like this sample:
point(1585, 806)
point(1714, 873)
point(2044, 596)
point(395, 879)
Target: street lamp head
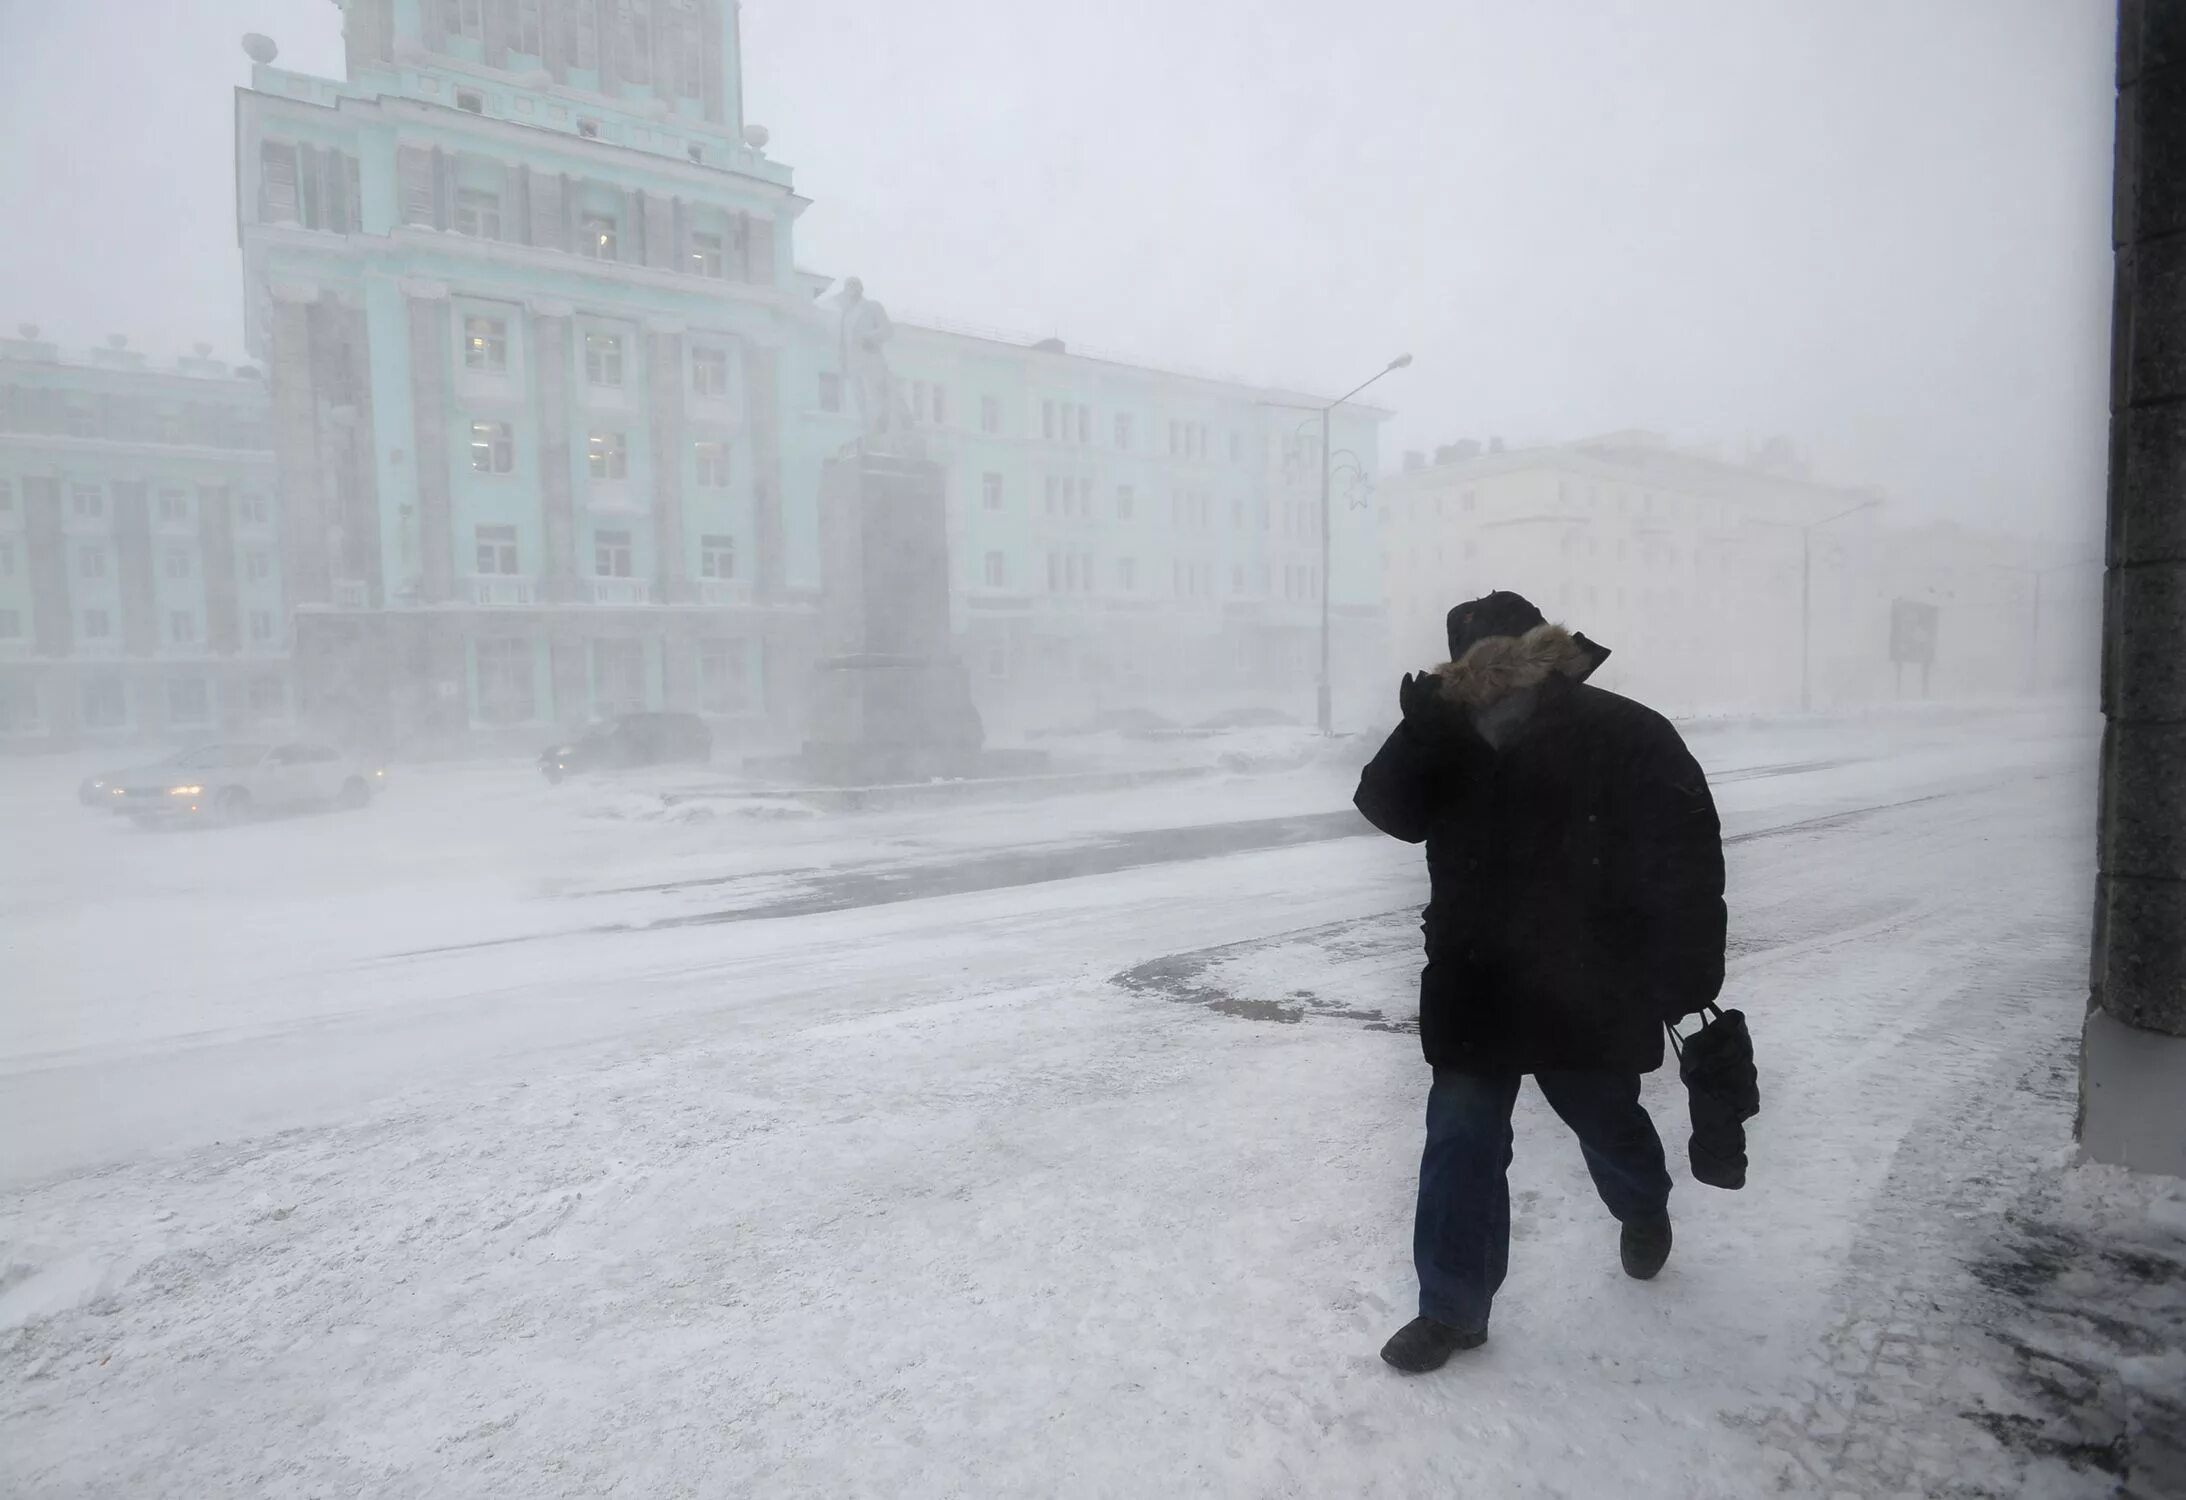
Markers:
point(1400, 361)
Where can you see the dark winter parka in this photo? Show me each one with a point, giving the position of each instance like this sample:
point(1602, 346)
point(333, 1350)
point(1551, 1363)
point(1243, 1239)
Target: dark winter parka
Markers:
point(1576, 873)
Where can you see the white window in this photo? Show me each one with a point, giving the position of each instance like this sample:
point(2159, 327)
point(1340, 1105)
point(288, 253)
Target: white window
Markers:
point(717, 557)
point(105, 703)
point(466, 18)
point(268, 698)
point(603, 358)
point(990, 414)
point(941, 405)
point(11, 625)
point(831, 391)
point(1127, 573)
point(96, 625)
point(177, 560)
point(261, 627)
point(1054, 574)
point(596, 238)
point(710, 462)
point(504, 680)
point(7, 497)
point(608, 455)
point(1085, 424)
point(174, 507)
point(1085, 497)
point(254, 510)
point(990, 490)
point(584, 24)
point(618, 676)
point(611, 554)
point(709, 372)
point(486, 345)
point(7, 559)
point(724, 677)
point(497, 551)
point(277, 173)
point(181, 627)
point(91, 562)
point(1047, 419)
point(997, 573)
point(87, 501)
point(493, 448)
point(1123, 430)
point(708, 255)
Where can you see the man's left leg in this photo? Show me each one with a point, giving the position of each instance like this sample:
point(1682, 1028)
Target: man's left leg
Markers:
point(1624, 1156)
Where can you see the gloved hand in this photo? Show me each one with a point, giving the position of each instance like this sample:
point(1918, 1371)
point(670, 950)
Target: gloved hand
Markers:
point(1417, 696)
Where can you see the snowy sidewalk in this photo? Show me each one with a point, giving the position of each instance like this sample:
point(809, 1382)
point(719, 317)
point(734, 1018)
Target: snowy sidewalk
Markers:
point(1066, 1236)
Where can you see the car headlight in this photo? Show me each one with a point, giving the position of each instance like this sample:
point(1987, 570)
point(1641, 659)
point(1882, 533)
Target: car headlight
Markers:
point(185, 791)
point(381, 773)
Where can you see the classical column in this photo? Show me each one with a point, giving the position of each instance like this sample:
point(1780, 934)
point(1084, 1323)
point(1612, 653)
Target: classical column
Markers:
point(293, 380)
point(45, 548)
point(2133, 1056)
point(133, 570)
point(550, 351)
point(762, 427)
point(216, 538)
point(664, 401)
point(428, 308)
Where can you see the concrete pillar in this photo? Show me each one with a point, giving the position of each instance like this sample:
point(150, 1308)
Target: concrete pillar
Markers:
point(429, 355)
point(2133, 1069)
point(664, 402)
point(45, 554)
point(762, 411)
point(298, 470)
point(216, 535)
point(550, 345)
point(133, 569)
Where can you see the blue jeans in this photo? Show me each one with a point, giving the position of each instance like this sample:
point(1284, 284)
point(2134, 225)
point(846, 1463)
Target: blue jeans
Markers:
point(1461, 1237)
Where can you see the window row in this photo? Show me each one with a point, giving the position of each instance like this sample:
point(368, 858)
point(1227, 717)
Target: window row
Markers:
point(124, 418)
point(647, 44)
point(498, 555)
point(181, 626)
point(108, 703)
point(1190, 578)
point(170, 507)
point(508, 672)
point(486, 352)
point(607, 455)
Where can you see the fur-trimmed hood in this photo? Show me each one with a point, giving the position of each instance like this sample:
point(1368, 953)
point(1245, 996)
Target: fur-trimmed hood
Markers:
point(1501, 665)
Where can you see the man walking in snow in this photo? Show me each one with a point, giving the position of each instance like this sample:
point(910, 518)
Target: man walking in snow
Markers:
point(1576, 904)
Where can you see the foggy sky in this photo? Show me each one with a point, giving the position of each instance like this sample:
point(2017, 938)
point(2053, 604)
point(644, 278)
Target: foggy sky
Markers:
point(1878, 226)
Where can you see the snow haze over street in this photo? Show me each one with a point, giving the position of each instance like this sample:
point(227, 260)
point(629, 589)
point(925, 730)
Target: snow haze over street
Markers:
point(644, 1134)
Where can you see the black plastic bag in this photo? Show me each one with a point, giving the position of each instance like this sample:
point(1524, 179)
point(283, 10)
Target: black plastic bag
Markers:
point(1722, 1091)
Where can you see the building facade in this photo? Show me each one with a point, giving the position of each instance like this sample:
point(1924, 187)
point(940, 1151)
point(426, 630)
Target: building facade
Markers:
point(1723, 584)
point(141, 592)
point(550, 402)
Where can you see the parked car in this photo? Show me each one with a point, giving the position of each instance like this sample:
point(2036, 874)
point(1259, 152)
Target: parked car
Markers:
point(103, 789)
point(649, 739)
point(230, 783)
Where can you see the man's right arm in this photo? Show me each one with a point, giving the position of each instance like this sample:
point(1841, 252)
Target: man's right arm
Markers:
point(1397, 789)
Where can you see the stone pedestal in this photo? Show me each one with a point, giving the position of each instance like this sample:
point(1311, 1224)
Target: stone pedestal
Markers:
point(891, 702)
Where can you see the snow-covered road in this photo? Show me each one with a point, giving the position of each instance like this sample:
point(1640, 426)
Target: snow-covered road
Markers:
point(312, 1193)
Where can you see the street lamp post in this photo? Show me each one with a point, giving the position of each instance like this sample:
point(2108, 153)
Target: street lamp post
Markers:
point(1324, 697)
point(1806, 600)
point(2034, 632)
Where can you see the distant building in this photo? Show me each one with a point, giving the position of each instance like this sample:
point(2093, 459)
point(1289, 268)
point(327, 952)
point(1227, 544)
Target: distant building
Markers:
point(140, 581)
point(551, 401)
point(1709, 577)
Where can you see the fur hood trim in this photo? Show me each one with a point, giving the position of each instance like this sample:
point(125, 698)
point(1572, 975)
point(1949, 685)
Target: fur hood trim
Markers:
point(1505, 664)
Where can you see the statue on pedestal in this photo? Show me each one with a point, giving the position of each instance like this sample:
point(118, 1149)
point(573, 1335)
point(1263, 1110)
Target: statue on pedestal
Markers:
point(883, 423)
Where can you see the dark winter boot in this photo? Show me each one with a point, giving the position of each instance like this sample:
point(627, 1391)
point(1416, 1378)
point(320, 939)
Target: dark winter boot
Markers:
point(1645, 1245)
point(1423, 1344)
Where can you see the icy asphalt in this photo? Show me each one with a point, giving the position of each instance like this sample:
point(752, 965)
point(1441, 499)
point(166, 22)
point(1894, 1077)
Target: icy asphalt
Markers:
point(494, 1142)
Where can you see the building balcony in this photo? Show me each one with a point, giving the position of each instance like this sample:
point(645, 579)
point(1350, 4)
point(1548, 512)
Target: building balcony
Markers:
point(723, 591)
point(351, 593)
point(620, 592)
point(497, 589)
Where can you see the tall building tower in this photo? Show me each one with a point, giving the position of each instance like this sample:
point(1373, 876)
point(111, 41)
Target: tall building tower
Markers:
point(523, 282)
